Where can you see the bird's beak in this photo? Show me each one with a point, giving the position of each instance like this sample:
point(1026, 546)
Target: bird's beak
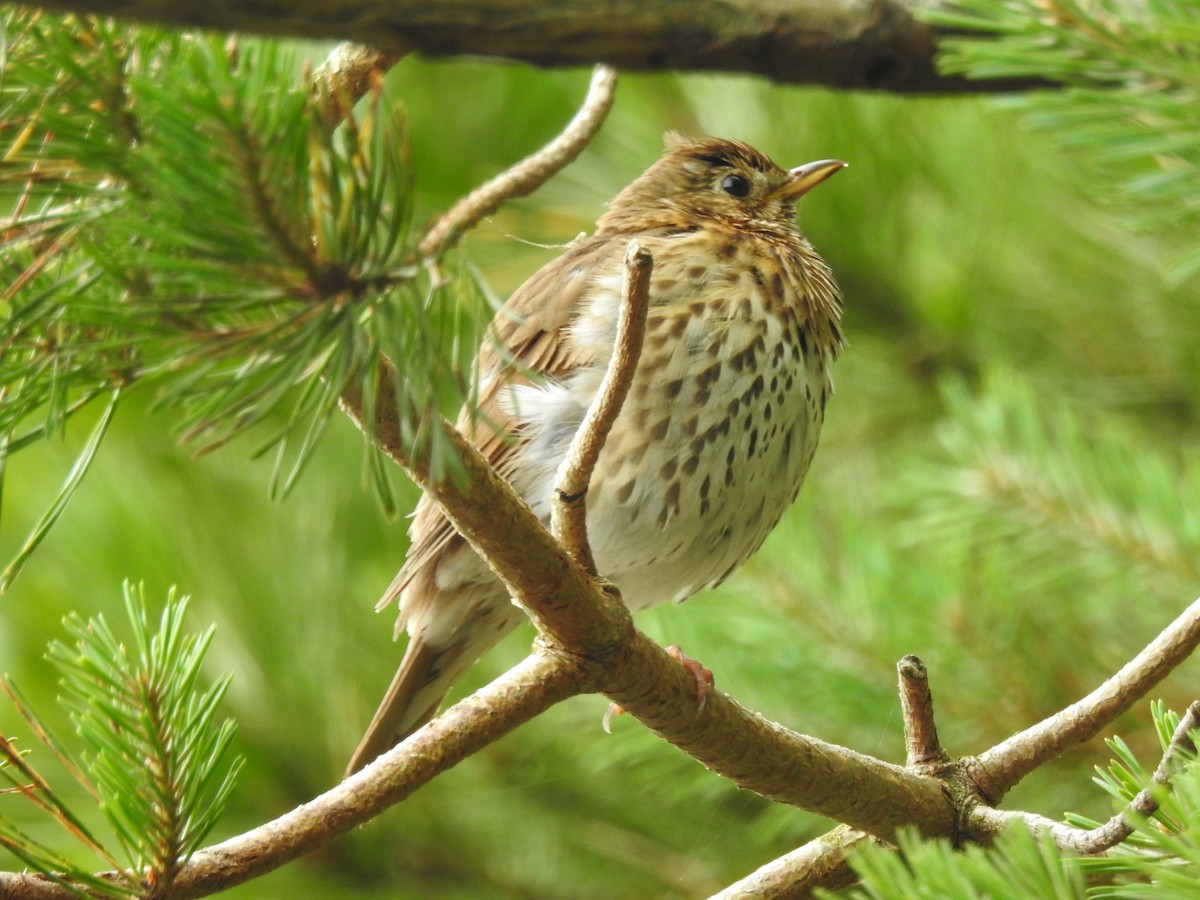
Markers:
point(806, 177)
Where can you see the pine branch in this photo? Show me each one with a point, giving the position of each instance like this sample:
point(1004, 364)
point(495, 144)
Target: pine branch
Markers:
point(877, 45)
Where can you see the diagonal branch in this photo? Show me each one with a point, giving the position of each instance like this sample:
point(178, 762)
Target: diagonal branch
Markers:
point(1003, 766)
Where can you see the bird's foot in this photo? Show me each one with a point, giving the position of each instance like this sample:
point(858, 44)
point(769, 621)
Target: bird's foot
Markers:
point(701, 675)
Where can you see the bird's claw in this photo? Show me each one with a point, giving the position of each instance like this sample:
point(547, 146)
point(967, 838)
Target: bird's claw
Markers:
point(701, 675)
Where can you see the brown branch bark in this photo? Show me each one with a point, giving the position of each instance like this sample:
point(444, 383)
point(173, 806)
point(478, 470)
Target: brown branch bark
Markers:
point(875, 44)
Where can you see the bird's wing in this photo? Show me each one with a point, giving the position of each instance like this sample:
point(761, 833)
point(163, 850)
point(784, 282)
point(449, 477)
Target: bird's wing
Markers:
point(525, 342)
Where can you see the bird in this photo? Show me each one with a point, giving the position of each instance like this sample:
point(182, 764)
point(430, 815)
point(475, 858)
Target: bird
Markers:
point(715, 436)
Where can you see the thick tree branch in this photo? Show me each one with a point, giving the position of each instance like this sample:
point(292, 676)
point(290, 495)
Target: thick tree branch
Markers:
point(1003, 766)
point(876, 44)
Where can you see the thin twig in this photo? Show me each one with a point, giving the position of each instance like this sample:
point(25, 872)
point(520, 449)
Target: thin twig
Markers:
point(916, 704)
point(529, 174)
point(984, 823)
point(1003, 766)
point(568, 514)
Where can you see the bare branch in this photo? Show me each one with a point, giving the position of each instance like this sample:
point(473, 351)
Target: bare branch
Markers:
point(568, 514)
point(985, 823)
point(876, 44)
point(1003, 766)
point(916, 703)
point(821, 863)
point(529, 174)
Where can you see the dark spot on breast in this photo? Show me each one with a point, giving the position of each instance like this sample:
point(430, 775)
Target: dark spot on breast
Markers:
point(670, 504)
point(667, 472)
point(734, 406)
point(756, 274)
point(697, 273)
point(689, 467)
point(673, 387)
point(753, 442)
point(705, 485)
point(624, 492)
point(708, 376)
point(728, 250)
point(716, 431)
point(659, 431)
point(689, 426)
point(767, 412)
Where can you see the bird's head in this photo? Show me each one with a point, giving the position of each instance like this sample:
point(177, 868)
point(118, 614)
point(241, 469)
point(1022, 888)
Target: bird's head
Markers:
point(716, 179)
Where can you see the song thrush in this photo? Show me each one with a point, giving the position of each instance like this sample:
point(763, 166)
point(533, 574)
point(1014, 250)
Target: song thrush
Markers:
point(713, 441)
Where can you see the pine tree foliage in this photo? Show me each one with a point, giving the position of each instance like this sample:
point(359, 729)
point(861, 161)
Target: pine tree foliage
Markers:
point(1020, 467)
point(1130, 77)
point(156, 760)
point(182, 214)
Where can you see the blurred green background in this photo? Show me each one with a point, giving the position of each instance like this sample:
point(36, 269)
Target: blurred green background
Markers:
point(1006, 487)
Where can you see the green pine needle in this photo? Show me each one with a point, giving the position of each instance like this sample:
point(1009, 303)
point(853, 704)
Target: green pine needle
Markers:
point(186, 219)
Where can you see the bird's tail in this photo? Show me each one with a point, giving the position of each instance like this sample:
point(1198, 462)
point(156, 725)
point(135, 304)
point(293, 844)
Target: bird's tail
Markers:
point(425, 676)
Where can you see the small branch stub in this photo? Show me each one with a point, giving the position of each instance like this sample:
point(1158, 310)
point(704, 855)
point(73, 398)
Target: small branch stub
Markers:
point(916, 703)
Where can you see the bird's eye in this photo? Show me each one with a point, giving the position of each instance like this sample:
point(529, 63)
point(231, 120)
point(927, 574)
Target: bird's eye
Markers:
point(735, 185)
